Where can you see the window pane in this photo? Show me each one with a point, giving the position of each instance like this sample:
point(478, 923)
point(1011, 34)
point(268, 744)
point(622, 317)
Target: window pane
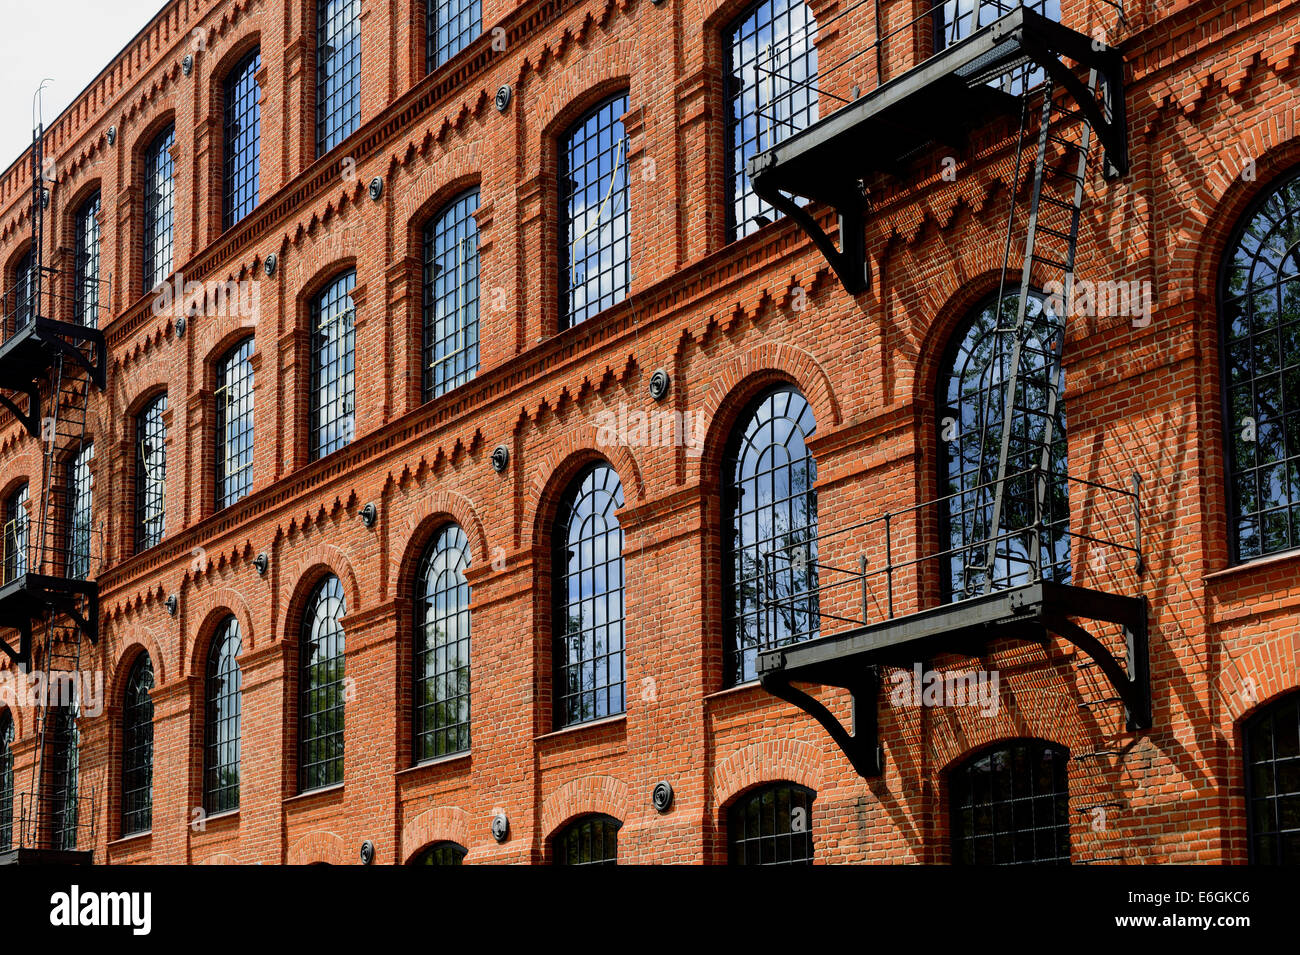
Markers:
point(234, 398)
point(451, 297)
point(441, 853)
point(159, 209)
point(137, 749)
point(338, 72)
point(242, 140)
point(1009, 805)
point(221, 723)
point(442, 647)
point(332, 342)
point(451, 26)
point(80, 530)
point(86, 285)
point(150, 474)
point(772, 825)
point(6, 780)
point(16, 535)
point(321, 688)
point(591, 840)
point(1272, 758)
point(65, 741)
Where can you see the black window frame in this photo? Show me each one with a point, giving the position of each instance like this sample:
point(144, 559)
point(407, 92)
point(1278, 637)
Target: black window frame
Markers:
point(241, 150)
point(960, 781)
point(442, 38)
point(1285, 709)
point(222, 714)
point(449, 354)
point(151, 473)
point(80, 512)
point(137, 748)
point(338, 73)
point(445, 852)
point(159, 226)
point(63, 777)
point(232, 484)
point(86, 291)
point(321, 706)
point(17, 528)
point(20, 299)
point(440, 696)
point(594, 835)
point(331, 405)
point(761, 826)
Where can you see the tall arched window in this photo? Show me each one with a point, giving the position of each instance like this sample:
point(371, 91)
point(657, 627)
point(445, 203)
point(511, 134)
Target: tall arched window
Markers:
point(20, 300)
point(320, 688)
point(6, 780)
point(243, 140)
point(150, 474)
point(589, 680)
point(595, 222)
point(63, 776)
point(338, 72)
point(223, 702)
point(588, 840)
point(771, 89)
point(159, 208)
point(971, 404)
point(1272, 738)
point(1009, 804)
point(441, 853)
point(333, 337)
point(80, 512)
point(85, 292)
point(450, 26)
point(772, 825)
point(1259, 306)
point(15, 535)
point(234, 399)
point(137, 748)
point(770, 533)
point(451, 296)
point(442, 647)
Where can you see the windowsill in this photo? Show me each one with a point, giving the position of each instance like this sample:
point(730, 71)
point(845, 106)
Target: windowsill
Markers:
point(1250, 566)
point(435, 763)
point(223, 816)
point(311, 794)
point(734, 690)
point(580, 727)
point(135, 837)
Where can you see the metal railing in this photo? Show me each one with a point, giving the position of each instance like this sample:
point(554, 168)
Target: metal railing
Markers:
point(53, 820)
point(27, 300)
point(74, 552)
point(906, 560)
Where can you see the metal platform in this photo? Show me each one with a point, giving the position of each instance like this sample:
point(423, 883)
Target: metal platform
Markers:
point(938, 102)
point(28, 596)
point(20, 856)
point(27, 354)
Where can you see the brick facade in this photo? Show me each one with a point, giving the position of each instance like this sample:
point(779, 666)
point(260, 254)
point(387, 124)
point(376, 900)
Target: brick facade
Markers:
point(1211, 87)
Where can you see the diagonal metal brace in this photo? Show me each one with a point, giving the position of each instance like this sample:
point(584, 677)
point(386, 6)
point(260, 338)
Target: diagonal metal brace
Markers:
point(1132, 683)
point(862, 746)
point(31, 418)
point(22, 657)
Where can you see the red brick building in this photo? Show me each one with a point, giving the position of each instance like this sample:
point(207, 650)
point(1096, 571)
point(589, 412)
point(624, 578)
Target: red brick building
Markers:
point(415, 547)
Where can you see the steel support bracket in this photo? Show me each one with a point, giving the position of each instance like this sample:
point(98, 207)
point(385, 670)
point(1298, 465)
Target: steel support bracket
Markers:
point(22, 657)
point(862, 745)
point(31, 418)
point(1131, 680)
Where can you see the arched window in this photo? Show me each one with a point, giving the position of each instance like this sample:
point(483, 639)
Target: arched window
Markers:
point(234, 399)
point(333, 336)
point(1272, 739)
point(15, 535)
point(442, 647)
point(150, 474)
point(159, 208)
point(20, 300)
point(441, 853)
point(320, 688)
point(6, 780)
point(1010, 805)
point(971, 404)
point(771, 88)
point(588, 840)
point(770, 533)
point(450, 26)
point(338, 72)
point(1259, 306)
point(85, 291)
point(595, 249)
point(80, 510)
point(451, 297)
point(243, 139)
point(772, 825)
point(137, 748)
point(64, 770)
point(223, 702)
point(589, 681)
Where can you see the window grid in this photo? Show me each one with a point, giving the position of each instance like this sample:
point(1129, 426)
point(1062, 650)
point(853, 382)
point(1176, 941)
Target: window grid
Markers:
point(590, 840)
point(159, 209)
point(64, 743)
point(972, 388)
point(150, 474)
point(332, 354)
point(450, 25)
point(221, 736)
point(451, 297)
point(137, 749)
point(772, 503)
point(589, 664)
point(243, 137)
point(338, 72)
point(1273, 783)
point(15, 534)
point(6, 780)
point(771, 94)
point(772, 825)
point(80, 490)
point(442, 647)
point(1260, 307)
point(321, 688)
point(441, 853)
point(1010, 805)
point(85, 292)
point(22, 296)
point(595, 252)
point(234, 397)
point(958, 19)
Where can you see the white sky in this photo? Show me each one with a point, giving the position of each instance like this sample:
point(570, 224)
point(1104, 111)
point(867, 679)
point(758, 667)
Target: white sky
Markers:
point(68, 41)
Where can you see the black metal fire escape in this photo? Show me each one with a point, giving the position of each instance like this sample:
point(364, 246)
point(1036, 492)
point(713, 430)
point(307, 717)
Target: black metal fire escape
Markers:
point(1010, 592)
point(49, 551)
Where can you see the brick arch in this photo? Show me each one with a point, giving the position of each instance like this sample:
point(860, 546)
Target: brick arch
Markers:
point(306, 573)
point(141, 640)
point(219, 858)
point(429, 513)
point(440, 824)
point(585, 795)
point(767, 762)
point(562, 94)
point(559, 467)
point(1271, 666)
point(446, 176)
point(215, 606)
point(991, 738)
point(318, 846)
